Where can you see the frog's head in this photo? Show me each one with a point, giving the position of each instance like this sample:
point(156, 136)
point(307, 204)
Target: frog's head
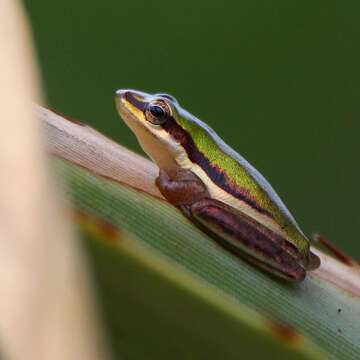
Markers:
point(160, 125)
point(139, 109)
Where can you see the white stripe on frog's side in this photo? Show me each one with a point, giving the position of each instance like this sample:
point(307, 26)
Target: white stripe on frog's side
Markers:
point(218, 193)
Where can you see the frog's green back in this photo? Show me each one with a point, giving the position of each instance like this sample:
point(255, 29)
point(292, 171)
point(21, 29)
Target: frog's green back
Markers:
point(246, 182)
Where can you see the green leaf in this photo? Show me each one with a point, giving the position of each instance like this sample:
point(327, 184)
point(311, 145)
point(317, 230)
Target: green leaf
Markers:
point(168, 290)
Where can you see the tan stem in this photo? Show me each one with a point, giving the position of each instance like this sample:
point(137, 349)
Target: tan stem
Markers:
point(46, 307)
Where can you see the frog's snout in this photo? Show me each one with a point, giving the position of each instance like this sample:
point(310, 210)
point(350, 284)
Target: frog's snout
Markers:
point(120, 96)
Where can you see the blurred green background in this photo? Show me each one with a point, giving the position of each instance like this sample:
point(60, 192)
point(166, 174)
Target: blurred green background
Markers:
point(279, 81)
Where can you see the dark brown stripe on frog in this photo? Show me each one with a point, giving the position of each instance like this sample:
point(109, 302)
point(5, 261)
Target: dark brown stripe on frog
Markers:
point(141, 105)
point(214, 173)
point(251, 235)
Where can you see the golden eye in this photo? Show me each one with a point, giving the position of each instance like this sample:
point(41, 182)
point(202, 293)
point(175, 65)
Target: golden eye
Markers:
point(157, 112)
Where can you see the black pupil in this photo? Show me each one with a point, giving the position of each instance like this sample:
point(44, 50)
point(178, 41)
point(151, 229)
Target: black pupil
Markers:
point(157, 111)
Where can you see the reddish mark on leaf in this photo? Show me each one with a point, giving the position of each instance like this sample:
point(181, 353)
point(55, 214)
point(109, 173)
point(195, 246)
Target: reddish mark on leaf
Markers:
point(109, 232)
point(283, 332)
point(334, 250)
point(79, 215)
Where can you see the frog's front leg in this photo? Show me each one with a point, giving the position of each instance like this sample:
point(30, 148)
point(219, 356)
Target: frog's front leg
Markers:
point(183, 189)
point(232, 229)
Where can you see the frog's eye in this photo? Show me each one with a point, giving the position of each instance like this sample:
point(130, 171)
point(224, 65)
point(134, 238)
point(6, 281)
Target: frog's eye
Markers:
point(157, 112)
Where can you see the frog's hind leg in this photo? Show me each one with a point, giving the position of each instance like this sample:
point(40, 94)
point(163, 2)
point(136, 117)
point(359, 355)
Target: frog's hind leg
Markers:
point(247, 238)
point(232, 229)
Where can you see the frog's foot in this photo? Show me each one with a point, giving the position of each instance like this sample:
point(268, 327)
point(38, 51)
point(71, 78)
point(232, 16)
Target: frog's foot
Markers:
point(334, 250)
point(313, 261)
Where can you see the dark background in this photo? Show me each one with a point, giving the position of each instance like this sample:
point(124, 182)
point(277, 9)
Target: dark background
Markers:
point(278, 80)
